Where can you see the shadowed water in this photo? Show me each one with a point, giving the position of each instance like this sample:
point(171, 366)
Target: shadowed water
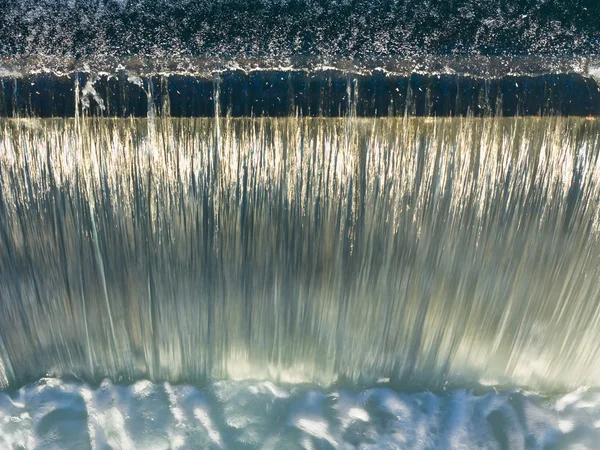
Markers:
point(288, 29)
point(429, 251)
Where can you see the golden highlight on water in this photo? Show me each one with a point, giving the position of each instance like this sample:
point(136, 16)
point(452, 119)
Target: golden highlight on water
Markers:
point(426, 252)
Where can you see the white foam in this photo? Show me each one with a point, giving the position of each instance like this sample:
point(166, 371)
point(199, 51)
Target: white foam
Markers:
point(230, 414)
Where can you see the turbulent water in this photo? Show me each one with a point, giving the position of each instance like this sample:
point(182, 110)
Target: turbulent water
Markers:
point(53, 414)
point(354, 29)
point(394, 279)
